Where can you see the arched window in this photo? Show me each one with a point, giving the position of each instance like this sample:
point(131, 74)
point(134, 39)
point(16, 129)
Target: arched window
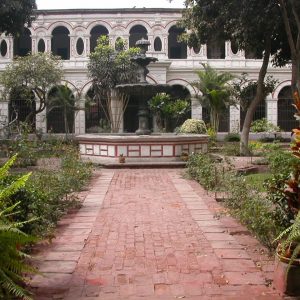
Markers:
point(95, 113)
point(223, 122)
point(3, 48)
point(23, 43)
point(22, 106)
point(177, 50)
point(60, 43)
point(41, 46)
point(216, 49)
point(60, 110)
point(80, 46)
point(260, 111)
point(285, 110)
point(157, 44)
point(137, 32)
point(96, 32)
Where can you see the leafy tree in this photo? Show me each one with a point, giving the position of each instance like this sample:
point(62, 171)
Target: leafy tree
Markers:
point(14, 14)
point(108, 67)
point(256, 27)
point(63, 98)
point(36, 73)
point(166, 109)
point(216, 92)
point(290, 10)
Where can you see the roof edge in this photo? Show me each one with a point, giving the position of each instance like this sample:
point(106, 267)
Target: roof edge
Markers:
point(107, 10)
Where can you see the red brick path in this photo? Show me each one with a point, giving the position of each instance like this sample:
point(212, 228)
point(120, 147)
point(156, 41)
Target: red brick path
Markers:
point(150, 234)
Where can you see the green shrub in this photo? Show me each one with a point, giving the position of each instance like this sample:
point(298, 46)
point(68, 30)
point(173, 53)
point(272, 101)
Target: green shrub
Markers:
point(252, 209)
point(193, 126)
point(280, 161)
point(48, 195)
point(232, 137)
point(263, 125)
point(12, 239)
point(202, 168)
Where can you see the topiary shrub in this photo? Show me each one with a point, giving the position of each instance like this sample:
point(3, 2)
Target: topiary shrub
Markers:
point(193, 126)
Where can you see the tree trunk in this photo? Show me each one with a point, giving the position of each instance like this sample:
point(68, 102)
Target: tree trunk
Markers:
point(244, 150)
point(214, 120)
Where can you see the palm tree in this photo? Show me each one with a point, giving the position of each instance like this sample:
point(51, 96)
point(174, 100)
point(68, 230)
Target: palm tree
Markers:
point(63, 98)
point(216, 93)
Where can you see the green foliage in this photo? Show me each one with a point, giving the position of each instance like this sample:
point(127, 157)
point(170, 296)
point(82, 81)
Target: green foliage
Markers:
point(263, 125)
point(193, 126)
point(48, 202)
point(108, 67)
point(258, 181)
point(202, 168)
point(12, 238)
point(166, 109)
point(244, 201)
point(231, 149)
point(289, 239)
point(37, 72)
point(232, 137)
point(216, 93)
point(245, 90)
point(251, 208)
point(62, 98)
point(14, 14)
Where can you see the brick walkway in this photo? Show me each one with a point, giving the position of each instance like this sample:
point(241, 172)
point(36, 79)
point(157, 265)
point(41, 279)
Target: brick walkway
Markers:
point(151, 234)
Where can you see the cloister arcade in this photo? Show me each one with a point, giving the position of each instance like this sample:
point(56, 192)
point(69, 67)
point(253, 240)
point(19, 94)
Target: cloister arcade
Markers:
point(73, 34)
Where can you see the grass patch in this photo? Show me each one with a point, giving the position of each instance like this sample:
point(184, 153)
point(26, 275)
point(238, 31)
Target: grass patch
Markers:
point(257, 180)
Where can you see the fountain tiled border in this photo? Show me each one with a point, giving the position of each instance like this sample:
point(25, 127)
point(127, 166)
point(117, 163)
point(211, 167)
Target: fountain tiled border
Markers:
point(156, 148)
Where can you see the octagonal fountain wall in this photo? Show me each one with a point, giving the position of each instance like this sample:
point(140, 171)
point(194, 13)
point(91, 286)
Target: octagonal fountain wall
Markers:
point(140, 148)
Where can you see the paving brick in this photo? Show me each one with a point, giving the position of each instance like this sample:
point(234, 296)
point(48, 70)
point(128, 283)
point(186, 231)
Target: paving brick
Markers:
point(150, 234)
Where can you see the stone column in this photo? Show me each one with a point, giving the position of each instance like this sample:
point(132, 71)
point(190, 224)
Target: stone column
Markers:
point(34, 39)
point(117, 110)
point(196, 109)
point(272, 109)
point(234, 115)
point(80, 117)
point(41, 120)
point(47, 39)
point(10, 44)
point(87, 47)
point(73, 52)
point(228, 52)
point(4, 113)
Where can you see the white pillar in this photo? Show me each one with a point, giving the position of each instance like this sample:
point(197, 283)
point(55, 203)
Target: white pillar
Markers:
point(41, 120)
point(47, 40)
point(272, 110)
point(80, 117)
point(116, 107)
point(234, 115)
point(196, 109)
point(4, 113)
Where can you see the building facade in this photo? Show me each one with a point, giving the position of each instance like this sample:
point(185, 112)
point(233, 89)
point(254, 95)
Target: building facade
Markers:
point(72, 34)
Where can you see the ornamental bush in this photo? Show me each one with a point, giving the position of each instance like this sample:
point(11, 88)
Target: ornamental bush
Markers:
point(263, 125)
point(193, 126)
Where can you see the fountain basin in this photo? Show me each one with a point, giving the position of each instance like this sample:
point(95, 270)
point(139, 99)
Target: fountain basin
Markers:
point(142, 148)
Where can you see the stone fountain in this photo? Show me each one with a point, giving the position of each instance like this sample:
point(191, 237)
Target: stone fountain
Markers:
point(141, 147)
point(143, 89)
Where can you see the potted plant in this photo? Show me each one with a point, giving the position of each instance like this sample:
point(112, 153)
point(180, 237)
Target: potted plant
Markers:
point(184, 156)
point(121, 158)
point(287, 267)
